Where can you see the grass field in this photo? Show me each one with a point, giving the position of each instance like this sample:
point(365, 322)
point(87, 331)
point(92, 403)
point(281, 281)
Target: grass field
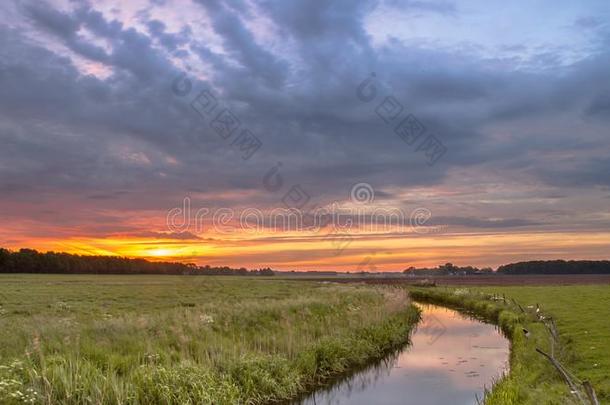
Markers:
point(582, 314)
point(173, 339)
point(223, 340)
point(582, 317)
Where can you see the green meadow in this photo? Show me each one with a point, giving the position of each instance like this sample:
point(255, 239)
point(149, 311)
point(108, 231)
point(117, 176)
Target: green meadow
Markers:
point(582, 316)
point(83, 339)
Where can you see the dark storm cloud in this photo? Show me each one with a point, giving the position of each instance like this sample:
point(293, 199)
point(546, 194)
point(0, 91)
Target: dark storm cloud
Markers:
point(600, 106)
point(481, 222)
point(440, 7)
point(322, 20)
point(170, 41)
point(240, 44)
point(65, 27)
point(67, 129)
point(591, 172)
point(53, 20)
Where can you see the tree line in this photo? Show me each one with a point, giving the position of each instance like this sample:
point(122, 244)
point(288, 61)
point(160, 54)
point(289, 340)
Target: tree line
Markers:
point(32, 261)
point(557, 267)
point(520, 268)
point(447, 269)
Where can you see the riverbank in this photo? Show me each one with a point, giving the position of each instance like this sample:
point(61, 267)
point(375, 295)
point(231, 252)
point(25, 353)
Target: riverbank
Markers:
point(532, 379)
point(450, 357)
point(176, 340)
point(583, 322)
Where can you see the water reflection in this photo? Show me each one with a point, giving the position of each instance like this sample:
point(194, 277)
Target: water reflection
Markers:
point(451, 358)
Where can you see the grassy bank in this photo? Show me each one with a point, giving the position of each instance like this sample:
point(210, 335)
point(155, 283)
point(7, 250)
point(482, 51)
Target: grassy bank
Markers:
point(532, 379)
point(582, 314)
point(166, 339)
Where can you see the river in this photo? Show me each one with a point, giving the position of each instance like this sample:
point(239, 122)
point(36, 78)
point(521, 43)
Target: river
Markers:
point(451, 358)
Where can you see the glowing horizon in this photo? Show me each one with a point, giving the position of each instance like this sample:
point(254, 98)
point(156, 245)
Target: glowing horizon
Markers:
point(490, 139)
point(364, 253)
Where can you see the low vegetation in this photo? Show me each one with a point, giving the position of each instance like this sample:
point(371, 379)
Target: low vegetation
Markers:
point(583, 322)
point(180, 340)
point(580, 313)
point(75, 339)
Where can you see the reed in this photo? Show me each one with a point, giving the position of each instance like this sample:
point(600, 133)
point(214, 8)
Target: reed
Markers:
point(177, 340)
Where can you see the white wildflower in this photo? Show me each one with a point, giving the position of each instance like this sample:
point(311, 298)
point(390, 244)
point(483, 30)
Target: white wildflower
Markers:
point(206, 319)
point(461, 291)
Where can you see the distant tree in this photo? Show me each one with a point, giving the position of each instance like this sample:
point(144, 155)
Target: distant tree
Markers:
point(448, 268)
point(5, 261)
point(266, 272)
point(444, 270)
point(31, 261)
point(557, 267)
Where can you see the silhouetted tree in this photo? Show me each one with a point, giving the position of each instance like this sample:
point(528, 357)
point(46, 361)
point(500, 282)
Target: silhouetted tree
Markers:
point(31, 261)
point(557, 267)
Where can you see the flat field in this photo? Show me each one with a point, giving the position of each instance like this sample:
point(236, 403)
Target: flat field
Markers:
point(77, 339)
point(472, 280)
point(582, 314)
point(182, 339)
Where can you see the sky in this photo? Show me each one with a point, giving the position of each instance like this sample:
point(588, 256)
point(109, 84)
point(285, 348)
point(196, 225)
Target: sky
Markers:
point(416, 132)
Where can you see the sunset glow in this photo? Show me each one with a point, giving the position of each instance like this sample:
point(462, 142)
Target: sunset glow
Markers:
point(494, 148)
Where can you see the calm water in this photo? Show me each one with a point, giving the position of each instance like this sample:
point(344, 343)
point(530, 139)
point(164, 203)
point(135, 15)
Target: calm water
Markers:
point(451, 358)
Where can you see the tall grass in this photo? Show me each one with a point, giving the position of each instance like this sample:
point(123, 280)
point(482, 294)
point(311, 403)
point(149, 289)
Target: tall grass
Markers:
point(173, 340)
